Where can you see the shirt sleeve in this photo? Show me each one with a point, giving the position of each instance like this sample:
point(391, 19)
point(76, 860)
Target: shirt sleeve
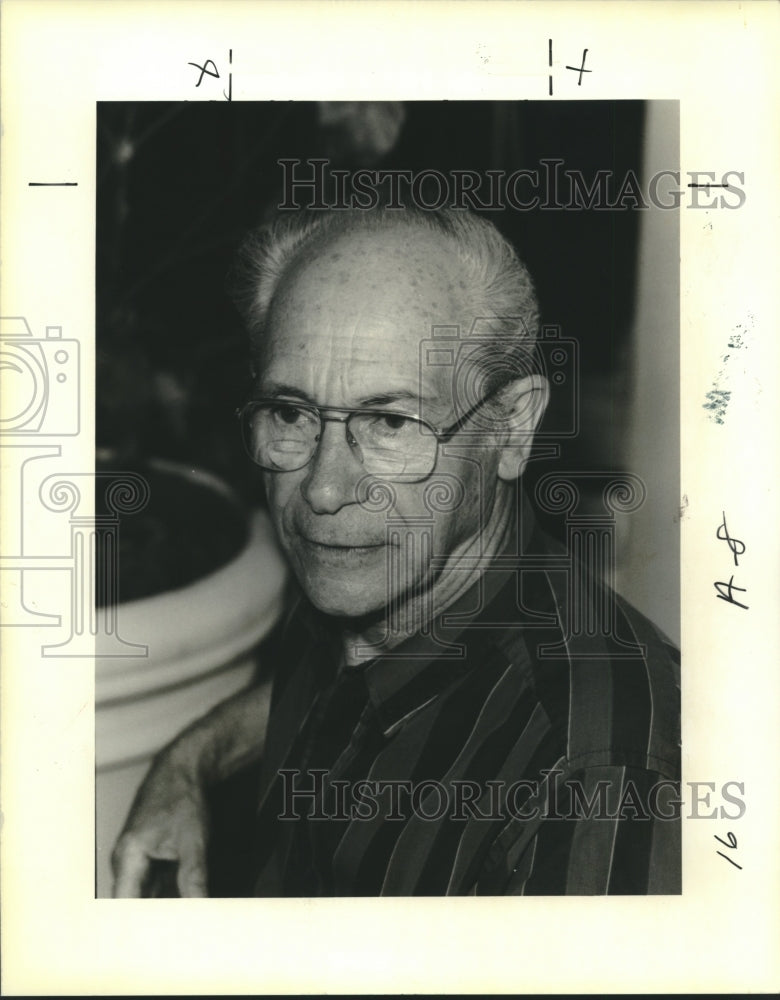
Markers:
point(605, 830)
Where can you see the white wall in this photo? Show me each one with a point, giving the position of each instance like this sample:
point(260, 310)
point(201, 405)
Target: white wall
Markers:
point(648, 541)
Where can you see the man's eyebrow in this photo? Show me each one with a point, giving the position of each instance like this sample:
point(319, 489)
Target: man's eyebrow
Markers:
point(398, 396)
point(281, 389)
point(379, 399)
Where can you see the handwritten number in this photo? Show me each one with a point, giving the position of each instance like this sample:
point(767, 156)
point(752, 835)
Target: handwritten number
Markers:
point(581, 69)
point(204, 70)
point(737, 547)
point(209, 68)
point(731, 843)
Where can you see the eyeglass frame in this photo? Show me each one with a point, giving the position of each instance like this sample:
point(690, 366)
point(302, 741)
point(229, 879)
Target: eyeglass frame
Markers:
point(441, 434)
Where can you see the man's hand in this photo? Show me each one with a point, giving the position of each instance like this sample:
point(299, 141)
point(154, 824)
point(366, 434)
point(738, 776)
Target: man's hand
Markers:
point(169, 817)
point(168, 822)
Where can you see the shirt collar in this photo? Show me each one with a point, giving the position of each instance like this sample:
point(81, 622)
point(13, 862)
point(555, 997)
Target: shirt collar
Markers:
point(404, 680)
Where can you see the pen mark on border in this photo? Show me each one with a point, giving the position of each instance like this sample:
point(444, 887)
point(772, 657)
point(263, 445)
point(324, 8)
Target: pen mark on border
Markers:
point(717, 399)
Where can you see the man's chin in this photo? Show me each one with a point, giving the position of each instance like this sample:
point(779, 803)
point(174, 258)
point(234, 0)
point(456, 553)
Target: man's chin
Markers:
point(342, 595)
point(345, 584)
point(340, 605)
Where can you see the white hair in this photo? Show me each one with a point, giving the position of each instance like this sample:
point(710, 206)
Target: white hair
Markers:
point(499, 289)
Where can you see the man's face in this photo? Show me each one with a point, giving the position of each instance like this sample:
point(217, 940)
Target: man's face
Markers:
point(344, 330)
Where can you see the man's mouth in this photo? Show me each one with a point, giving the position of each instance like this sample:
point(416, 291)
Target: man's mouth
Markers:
point(331, 546)
point(346, 553)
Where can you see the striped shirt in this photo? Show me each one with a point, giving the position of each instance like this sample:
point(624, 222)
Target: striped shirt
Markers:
point(526, 743)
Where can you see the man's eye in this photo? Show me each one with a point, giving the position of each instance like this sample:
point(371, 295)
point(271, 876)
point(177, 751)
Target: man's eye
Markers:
point(393, 421)
point(286, 414)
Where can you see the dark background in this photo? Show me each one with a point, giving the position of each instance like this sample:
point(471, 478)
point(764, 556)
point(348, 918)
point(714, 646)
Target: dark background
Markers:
point(180, 184)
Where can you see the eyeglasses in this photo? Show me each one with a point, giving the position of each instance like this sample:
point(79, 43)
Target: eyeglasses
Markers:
point(282, 436)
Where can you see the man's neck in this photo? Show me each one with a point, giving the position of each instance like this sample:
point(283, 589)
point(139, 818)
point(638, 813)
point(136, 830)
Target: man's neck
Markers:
point(465, 565)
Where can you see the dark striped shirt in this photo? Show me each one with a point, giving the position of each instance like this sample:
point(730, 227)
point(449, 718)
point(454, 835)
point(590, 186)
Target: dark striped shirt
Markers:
point(527, 743)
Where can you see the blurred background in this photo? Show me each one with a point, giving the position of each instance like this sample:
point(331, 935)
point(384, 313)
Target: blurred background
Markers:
point(180, 184)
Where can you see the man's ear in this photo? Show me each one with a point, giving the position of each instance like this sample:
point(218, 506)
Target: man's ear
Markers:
point(523, 404)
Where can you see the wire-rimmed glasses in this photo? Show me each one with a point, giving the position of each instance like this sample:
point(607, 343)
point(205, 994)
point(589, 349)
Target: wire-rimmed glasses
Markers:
point(282, 435)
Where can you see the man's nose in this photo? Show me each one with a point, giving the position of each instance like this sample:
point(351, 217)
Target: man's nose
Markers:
point(333, 473)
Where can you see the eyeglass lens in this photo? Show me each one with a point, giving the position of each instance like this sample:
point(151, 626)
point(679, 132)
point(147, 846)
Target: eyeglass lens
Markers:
point(284, 437)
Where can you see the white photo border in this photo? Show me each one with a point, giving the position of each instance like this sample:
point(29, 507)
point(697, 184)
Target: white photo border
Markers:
point(58, 60)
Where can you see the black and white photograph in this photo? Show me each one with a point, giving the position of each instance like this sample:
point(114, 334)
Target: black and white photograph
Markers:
point(435, 313)
point(388, 570)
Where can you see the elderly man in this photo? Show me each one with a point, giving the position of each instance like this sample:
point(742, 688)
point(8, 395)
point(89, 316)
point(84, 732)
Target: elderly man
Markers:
point(431, 729)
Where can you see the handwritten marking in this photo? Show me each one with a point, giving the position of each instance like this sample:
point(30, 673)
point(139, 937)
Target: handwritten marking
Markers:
point(204, 70)
point(549, 62)
point(737, 547)
point(731, 844)
point(581, 69)
point(52, 184)
point(726, 590)
point(209, 68)
point(708, 185)
point(229, 94)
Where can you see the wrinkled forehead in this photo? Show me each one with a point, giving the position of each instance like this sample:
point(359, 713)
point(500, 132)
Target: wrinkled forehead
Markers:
point(368, 297)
